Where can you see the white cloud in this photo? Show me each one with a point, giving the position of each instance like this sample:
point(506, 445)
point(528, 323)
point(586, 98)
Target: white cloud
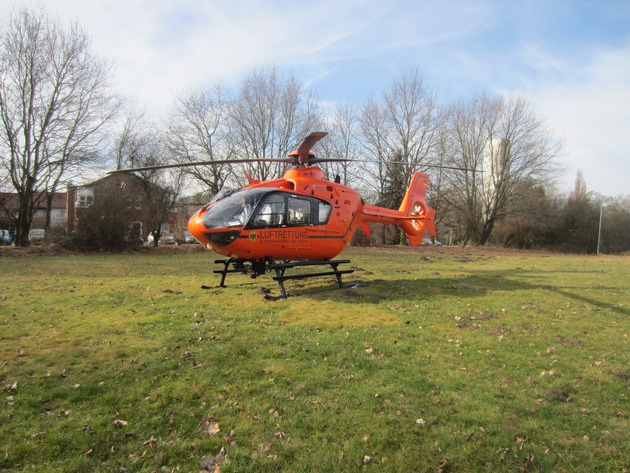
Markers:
point(349, 50)
point(160, 47)
point(593, 116)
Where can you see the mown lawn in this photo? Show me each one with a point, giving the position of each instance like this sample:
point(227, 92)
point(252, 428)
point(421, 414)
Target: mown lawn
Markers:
point(446, 359)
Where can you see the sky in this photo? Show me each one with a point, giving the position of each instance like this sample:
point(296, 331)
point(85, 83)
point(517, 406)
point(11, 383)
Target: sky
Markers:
point(569, 58)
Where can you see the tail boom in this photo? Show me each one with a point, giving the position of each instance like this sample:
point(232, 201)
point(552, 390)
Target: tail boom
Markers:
point(413, 216)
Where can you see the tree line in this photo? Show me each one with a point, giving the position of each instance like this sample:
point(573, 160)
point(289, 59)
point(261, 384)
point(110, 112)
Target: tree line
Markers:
point(493, 161)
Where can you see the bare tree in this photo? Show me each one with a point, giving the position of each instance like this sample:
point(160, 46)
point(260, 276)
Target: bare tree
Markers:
point(580, 218)
point(615, 226)
point(464, 142)
point(376, 146)
point(533, 218)
point(413, 122)
point(400, 136)
point(54, 104)
point(271, 116)
point(403, 130)
point(342, 143)
point(436, 198)
point(199, 129)
point(140, 145)
point(500, 143)
point(131, 137)
point(162, 191)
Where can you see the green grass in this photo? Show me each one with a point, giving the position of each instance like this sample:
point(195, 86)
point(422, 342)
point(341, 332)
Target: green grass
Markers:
point(491, 361)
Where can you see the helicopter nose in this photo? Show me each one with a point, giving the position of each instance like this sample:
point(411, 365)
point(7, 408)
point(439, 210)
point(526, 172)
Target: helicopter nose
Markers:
point(215, 238)
point(197, 228)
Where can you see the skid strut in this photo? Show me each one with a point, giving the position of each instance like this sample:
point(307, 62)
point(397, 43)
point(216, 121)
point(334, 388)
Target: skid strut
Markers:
point(258, 267)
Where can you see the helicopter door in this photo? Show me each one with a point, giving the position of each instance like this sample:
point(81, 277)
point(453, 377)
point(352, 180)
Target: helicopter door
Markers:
point(270, 213)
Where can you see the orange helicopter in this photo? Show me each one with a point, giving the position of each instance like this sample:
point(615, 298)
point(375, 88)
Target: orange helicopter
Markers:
point(301, 219)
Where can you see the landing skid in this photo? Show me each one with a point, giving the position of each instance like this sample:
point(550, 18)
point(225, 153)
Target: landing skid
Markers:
point(259, 267)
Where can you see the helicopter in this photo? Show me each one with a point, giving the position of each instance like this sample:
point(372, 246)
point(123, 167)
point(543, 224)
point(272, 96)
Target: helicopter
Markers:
point(301, 219)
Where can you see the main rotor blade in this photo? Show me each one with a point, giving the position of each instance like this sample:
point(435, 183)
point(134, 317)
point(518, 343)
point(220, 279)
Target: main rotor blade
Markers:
point(203, 163)
point(455, 168)
point(308, 143)
point(330, 160)
point(427, 166)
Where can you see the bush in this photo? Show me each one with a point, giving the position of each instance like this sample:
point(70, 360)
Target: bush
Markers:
point(103, 227)
point(361, 239)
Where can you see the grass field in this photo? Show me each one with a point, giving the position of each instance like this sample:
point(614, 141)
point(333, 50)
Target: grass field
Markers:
point(448, 360)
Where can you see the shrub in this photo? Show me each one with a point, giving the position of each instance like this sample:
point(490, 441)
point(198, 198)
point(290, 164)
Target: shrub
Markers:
point(104, 226)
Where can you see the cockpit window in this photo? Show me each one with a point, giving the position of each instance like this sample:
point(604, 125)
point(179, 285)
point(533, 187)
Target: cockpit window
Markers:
point(234, 209)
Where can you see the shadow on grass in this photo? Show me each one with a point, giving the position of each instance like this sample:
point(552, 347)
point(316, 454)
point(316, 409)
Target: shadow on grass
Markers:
point(472, 285)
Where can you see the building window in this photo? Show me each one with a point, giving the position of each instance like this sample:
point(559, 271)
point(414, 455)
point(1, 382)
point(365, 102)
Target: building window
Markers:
point(85, 197)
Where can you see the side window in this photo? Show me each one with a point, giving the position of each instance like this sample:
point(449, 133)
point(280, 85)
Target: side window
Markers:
point(323, 212)
point(278, 209)
point(270, 212)
point(299, 211)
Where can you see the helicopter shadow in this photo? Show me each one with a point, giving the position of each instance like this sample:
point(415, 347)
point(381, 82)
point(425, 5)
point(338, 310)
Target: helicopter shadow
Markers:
point(469, 285)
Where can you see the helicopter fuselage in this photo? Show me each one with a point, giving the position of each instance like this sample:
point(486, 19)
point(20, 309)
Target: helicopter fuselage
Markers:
point(300, 216)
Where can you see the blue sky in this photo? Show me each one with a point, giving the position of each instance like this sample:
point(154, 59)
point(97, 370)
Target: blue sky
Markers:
point(570, 59)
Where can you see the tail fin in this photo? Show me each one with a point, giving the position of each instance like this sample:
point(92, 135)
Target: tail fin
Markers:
point(414, 215)
point(414, 204)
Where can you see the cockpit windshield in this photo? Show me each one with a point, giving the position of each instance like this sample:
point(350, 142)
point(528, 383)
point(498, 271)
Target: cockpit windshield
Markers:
point(234, 209)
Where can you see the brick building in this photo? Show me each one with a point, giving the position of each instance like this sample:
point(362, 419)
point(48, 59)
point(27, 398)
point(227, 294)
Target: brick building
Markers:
point(131, 191)
point(139, 199)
